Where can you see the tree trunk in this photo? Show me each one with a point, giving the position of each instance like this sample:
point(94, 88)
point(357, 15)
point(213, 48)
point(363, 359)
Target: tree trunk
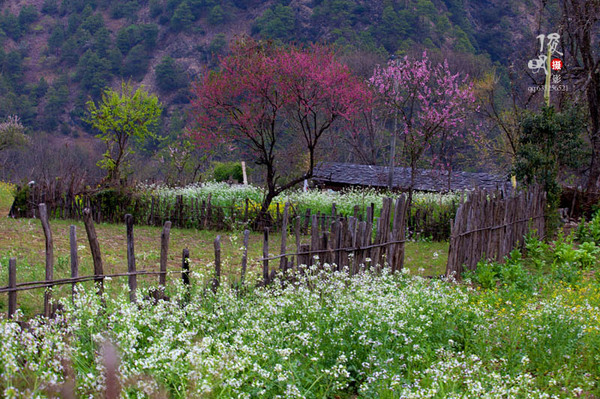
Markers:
point(593, 95)
point(264, 218)
point(413, 167)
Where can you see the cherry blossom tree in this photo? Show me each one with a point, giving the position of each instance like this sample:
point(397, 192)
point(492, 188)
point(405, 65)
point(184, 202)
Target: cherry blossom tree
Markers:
point(267, 99)
point(429, 104)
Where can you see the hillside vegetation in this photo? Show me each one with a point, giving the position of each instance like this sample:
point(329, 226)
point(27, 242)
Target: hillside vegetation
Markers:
point(57, 54)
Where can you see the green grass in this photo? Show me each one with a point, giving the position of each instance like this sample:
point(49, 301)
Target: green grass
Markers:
point(6, 197)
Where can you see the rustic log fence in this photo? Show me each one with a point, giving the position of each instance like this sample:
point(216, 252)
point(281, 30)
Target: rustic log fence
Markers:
point(489, 225)
point(111, 206)
point(486, 226)
point(345, 242)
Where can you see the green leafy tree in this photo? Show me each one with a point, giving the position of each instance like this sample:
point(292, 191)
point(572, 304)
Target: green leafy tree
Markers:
point(121, 117)
point(57, 37)
point(169, 75)
point(27, 15)
point(182, 17)
point(135, 63)
point(550, 141)
point(93, 72)
point(50, 7)
point(156, 8)
point(276, 23)
point(9, 23)
point(217, 15)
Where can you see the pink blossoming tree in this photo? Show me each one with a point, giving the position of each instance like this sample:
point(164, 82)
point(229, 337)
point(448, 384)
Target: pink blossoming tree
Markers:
point(268, 99)
point(430, 105)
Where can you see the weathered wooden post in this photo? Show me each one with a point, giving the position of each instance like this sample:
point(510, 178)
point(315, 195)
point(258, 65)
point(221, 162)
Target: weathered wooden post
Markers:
point(185, 268)
point(245, 256)
point(314, 238)
point(266, 256)
point(94, 248)
point(306, 220)
point(49, 258)
point(284, 231)
point(132, 277)
point(12, 284)
point(164, 252)
point(74, 257)
point(304, 255)
point(217, 279)
point(297, 227)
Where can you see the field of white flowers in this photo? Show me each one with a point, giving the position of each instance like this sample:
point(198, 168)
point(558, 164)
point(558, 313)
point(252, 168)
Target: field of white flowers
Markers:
point(326, 336)
point(223, 194)
point(429, 215)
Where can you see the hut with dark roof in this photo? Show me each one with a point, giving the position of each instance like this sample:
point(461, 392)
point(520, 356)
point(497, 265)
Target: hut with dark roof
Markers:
point(335, 175)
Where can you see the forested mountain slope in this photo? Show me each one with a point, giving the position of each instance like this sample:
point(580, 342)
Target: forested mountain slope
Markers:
point(57, 54)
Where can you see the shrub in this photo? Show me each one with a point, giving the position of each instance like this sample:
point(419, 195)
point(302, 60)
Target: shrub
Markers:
point(589, 232)
point(224, 170)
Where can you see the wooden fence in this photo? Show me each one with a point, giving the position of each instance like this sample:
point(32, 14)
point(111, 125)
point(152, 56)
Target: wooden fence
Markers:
point(111, 206)
point(488, 225)
point(345, 242)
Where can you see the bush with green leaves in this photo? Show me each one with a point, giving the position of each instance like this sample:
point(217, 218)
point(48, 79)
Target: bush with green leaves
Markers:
point(590, 231)
point(225, 171)
point(550, 141)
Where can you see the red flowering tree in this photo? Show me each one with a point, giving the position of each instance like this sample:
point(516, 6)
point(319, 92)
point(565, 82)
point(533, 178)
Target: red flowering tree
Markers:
point(430, 105)
point(267, 99)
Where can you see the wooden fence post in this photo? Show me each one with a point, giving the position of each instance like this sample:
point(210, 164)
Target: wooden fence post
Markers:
point(74, 257)
point(132, 278)
point(245, 256)
point(284, 231)
point(209, 213)
point(266, 256)
point(49, 258)
point(306, 220)
point(297, 228)
point(185, 268)
point(314, 238)
point(12, 283)
point(360, 253)
point(164, 252)
point(94, 248)
point(246, 211)
point(217, 278)
point(398, 234)
point(304, 255)
point(336, 236)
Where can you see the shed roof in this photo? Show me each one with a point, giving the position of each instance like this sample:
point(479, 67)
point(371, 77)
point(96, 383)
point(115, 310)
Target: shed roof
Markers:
point(336, 173)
